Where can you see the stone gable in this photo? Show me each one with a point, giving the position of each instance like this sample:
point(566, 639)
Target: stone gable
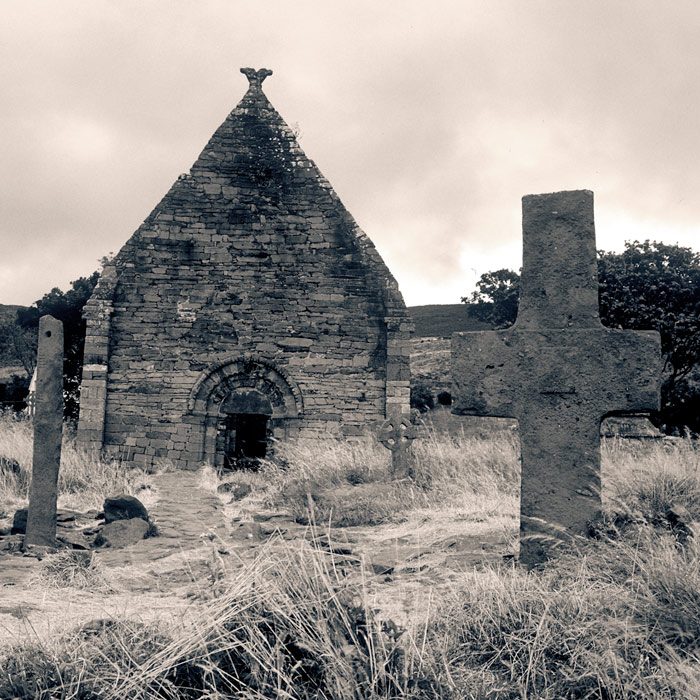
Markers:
point(248, 288)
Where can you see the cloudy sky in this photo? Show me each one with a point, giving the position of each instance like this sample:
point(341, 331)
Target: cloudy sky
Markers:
point(431, 120)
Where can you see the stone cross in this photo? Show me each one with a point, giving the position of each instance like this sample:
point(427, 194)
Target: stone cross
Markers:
point(558, 370)
point(48, 424)
point(396, 435)
point(256, 77)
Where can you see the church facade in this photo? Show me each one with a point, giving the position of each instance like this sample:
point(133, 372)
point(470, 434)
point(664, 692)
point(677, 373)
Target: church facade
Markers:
point(248, 306)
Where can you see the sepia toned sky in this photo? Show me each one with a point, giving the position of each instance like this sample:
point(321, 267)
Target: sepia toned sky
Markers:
point(430, 119)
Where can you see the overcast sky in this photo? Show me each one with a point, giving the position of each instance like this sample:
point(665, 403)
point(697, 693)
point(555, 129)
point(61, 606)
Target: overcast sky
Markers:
point(431, 120)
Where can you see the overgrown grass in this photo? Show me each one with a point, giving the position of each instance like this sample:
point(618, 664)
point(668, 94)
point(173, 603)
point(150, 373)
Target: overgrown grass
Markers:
point(83, 481)
point(348, 483)
point(614, 619)
point(287, 626)
point(645, 480)
point(70, 568)
point(617, 618)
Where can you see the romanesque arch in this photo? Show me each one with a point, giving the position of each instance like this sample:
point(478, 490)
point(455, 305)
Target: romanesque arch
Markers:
point(230, 394)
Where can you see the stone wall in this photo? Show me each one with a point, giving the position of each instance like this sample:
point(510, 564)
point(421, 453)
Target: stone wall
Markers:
point(249, 273)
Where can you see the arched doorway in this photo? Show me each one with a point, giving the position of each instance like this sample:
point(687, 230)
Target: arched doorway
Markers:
point(244, 429)
point(242, 404)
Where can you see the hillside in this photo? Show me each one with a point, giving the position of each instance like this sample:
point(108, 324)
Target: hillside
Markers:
point(430, 356)
point(442, 320)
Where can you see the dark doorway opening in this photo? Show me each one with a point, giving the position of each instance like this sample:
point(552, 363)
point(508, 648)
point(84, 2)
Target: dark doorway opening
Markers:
point(246, 440)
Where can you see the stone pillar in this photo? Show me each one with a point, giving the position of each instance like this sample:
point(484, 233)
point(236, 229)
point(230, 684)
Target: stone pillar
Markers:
point(48, 427)
point(93, 386)
point(398, 367)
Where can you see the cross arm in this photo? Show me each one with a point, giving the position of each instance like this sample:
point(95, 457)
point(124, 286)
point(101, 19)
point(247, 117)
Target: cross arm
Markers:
point(629, 370)
point(484, 364)
point(602, 370)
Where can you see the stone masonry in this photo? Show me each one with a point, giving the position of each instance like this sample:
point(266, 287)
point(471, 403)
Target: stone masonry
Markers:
point(248, 291)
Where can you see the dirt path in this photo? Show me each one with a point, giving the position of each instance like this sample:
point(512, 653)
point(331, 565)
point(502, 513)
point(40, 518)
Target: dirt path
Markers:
point(152, 578)
point(200, 539)
point(186, 516)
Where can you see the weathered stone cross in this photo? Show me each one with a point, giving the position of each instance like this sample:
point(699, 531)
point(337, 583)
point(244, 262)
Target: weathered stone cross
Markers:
point(558, 370)
point(396, 435)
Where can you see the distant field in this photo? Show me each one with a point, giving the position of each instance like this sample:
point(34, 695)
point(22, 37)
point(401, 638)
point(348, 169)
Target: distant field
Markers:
point(442, 320)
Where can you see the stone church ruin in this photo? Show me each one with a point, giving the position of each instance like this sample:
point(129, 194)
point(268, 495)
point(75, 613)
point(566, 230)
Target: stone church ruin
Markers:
point(249, 305)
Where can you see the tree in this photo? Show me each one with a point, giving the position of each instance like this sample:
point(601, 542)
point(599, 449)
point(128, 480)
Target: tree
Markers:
point(496, 298)
point(18, 346)
point(649, 286)
point(66, 307)
point(655, 286)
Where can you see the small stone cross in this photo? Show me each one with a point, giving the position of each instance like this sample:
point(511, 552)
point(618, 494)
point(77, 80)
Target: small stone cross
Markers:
point(558, 370)
point(396, 435)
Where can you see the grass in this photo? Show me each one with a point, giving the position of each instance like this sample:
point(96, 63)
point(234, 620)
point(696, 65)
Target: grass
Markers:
point(348, 483)
point(70, 568)
point(613, 618)
point(288, 627)
point(83, 482)
point(645, 483)
point(617, 619)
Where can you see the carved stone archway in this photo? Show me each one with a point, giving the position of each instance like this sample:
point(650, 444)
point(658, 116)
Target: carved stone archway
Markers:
point(242, 385)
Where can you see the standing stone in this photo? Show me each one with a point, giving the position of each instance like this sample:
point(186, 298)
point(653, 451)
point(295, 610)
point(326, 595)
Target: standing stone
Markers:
point(48, 425)
point(558, 370)
point(396, 435)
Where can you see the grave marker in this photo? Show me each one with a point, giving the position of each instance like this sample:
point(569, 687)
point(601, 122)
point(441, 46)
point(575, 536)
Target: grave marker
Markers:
point(396, 435)
point(48, 425)
point(558, 370)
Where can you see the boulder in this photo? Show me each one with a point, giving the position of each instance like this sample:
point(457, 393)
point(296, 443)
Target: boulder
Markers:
point(19, 521)
point(122, 533)
point(124, 508)
point(73, 539)
point(66, 516)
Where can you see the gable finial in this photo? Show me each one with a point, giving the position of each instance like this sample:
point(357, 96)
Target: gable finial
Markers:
point(256, 77)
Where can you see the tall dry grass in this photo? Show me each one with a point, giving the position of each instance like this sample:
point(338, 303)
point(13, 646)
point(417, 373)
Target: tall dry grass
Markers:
point(646, 479)
point(613, 618)
point(84, 481)
point(287, 626)
point(349, 483)
point(618, 619)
